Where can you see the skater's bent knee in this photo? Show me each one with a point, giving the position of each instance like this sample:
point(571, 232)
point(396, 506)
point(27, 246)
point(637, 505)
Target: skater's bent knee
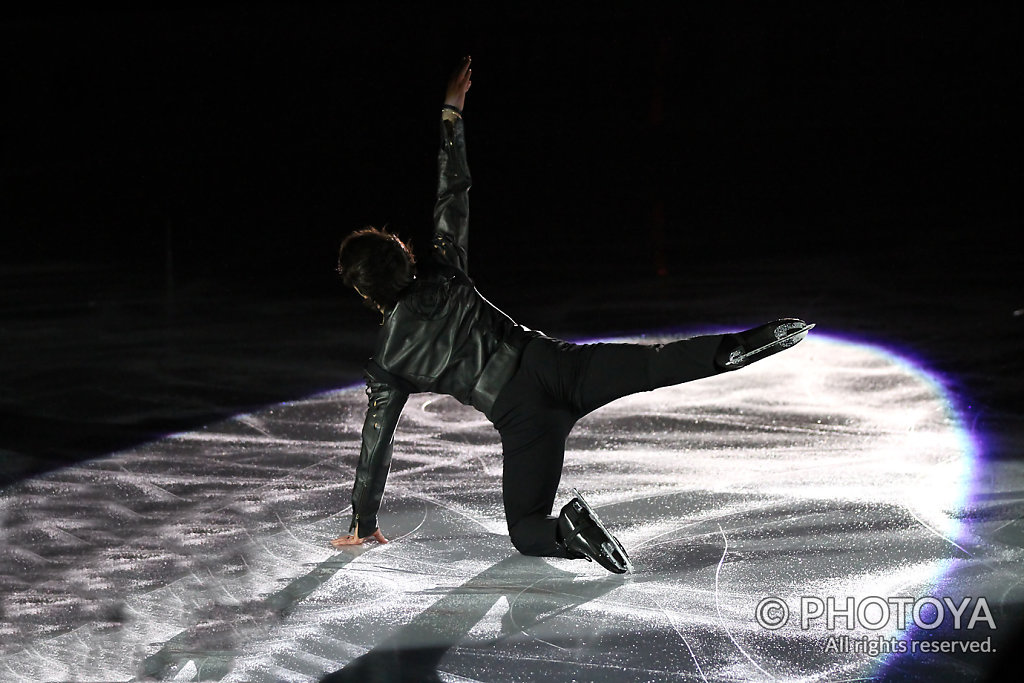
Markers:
point(536, 537)
point(525, 543)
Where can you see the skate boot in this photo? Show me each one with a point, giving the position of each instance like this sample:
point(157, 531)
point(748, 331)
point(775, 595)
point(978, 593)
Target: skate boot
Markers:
point(743, 348)
point(584, 537)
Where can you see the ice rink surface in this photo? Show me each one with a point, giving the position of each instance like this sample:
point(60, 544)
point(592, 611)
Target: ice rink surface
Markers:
point(836, 474)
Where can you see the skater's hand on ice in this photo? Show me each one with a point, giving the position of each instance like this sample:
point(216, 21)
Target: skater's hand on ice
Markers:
point(459, 83)
point(352, 539)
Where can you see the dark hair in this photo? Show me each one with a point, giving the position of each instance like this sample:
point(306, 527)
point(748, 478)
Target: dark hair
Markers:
point(378, 264)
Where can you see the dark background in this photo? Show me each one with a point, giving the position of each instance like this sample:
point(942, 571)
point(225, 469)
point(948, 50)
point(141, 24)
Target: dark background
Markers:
point(247, 140)
point(176, 183)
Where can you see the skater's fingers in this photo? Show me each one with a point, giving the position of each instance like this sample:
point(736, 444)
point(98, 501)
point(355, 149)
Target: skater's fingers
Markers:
point(350, 539)
point(462, 71)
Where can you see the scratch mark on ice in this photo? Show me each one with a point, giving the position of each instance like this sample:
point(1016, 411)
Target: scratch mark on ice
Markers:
point(936, 532)
point(672, 623)
point(512, 616)
point(718, 607)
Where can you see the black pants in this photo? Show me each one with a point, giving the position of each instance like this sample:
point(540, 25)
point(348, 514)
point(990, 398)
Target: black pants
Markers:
point(556, 384)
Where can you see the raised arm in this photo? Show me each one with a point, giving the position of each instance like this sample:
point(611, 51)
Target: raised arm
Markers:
point(451, 212)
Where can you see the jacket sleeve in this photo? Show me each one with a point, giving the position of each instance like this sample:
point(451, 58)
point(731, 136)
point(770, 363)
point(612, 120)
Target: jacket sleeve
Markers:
point(450, 244)
point(386, 402)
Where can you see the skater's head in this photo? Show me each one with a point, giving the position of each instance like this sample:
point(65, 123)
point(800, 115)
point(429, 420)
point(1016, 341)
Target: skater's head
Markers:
point(378, 265)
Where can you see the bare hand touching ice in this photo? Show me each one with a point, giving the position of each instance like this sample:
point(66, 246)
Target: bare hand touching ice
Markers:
point(353, 539)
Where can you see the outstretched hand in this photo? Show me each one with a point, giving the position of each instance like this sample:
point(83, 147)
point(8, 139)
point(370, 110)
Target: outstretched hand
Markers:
point(459, 83)
point(353, 539)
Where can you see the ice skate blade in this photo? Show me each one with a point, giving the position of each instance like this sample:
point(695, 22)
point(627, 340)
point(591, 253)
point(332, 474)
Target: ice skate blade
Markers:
point(623, 557)
point(784, 341)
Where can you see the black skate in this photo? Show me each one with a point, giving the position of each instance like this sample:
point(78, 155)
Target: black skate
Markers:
point(585, 537)
point(743, 348)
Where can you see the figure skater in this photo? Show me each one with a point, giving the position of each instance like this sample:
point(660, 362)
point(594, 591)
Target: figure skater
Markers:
point(439, 334)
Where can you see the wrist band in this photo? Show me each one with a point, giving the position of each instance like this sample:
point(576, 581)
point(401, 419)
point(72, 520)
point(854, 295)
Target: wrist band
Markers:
point(450, 113)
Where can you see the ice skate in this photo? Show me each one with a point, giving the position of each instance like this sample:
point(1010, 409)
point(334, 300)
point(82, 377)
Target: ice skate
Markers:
point(743, 348)
point(584, 536)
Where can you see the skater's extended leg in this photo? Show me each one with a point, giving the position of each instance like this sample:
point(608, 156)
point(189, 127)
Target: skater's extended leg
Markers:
point(612, 371)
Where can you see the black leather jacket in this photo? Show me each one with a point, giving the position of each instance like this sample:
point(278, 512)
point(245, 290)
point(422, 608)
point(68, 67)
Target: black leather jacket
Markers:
point(442, 336)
